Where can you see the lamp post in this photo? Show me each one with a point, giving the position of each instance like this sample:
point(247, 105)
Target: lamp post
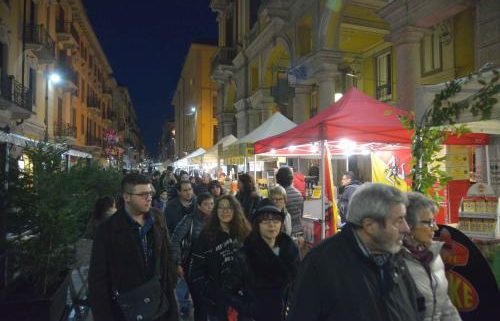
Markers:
point(53, 78)
point(194, 112)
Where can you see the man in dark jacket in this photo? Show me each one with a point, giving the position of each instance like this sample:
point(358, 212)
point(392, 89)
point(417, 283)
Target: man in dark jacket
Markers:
point(183, 204)
point(294, 201)
point(357, 275)
point(350, 185)
point(130, 249)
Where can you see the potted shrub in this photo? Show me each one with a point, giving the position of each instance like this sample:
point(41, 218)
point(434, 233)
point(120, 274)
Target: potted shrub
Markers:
point(48, 207)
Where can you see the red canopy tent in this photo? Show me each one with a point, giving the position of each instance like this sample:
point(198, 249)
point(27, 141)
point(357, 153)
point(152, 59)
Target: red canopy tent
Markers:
point(355, 117)
point(358, 118)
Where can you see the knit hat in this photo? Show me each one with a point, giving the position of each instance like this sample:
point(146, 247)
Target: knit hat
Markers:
point(266, 206)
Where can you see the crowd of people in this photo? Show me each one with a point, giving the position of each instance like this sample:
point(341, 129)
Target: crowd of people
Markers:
point(179, 248)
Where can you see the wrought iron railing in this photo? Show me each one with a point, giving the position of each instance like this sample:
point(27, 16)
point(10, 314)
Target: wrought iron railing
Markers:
point(37, 34)
point(68, 27)
point(13, 91)
point(64, 130)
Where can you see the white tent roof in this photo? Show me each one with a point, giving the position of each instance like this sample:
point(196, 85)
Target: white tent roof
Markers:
point(185, 160)
point(212, 153)
point(274, 125)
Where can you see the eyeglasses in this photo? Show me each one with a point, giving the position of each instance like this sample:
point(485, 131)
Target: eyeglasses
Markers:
point(429, 223)
point(144, 195)
point(224, 209)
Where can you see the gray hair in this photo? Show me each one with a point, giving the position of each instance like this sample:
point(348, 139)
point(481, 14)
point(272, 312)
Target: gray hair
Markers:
point(417, 202)
point(372, 200)
point(277, 190)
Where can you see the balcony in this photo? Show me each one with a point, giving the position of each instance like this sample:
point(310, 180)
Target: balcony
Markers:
point(69, 77)
point(67, 34)
point(222, 63)
point(65, 133)
point(39, 41)
point(93, 105)
point(15, 97)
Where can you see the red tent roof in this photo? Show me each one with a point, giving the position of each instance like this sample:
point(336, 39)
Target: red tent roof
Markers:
point(356, 117)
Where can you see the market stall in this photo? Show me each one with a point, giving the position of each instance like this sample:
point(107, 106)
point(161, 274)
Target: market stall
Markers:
point(210, 159)
point(356, 124)
point(241, 151)
point(186, 162)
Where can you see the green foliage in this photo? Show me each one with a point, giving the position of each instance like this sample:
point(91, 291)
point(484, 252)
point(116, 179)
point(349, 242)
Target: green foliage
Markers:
point(48, 210)
point(438, 122)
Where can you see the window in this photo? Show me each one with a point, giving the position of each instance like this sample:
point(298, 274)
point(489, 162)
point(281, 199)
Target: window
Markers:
point(214, 106)
point(216, 133)
point(431, 53)
point(304, 36)
point(59, 112)
point(384, 76)
point(254, 80)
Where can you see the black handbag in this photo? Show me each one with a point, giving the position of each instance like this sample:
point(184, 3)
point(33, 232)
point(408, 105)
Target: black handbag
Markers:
point(146, 302)
point(186, 245)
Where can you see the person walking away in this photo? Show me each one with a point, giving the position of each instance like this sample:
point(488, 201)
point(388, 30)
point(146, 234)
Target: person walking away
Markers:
point(421, 255)
point(131, 275)
point(349, 185)
point(213, 256)
point(185, 235)
point(104, 207)
point(278, 195)
point(247, 195)
point(358, 275)
point(266, 266)
point(202, 187)
point(294, 202)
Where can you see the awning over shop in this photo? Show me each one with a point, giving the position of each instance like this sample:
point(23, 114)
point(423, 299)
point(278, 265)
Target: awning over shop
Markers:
point(358, 118)
point(22, 141)
point(274, 125)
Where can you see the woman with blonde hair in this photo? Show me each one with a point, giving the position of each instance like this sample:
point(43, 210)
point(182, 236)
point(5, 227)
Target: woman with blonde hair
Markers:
point(277, 194)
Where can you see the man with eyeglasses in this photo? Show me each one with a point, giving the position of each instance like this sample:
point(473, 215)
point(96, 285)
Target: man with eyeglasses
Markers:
point(358, 274)
point(131, 251)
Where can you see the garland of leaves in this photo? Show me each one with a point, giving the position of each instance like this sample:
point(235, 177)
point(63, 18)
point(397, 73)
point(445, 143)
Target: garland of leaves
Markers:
point(439, 121)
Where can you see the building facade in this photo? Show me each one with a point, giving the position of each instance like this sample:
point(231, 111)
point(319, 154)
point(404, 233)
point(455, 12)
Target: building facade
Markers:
point(194, 101)
point(40, 39)
point(295, 56)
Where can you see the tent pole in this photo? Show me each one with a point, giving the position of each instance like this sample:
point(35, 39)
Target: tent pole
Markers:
point(347, 163)
point(255, 167)
point(488, 169)
point(323, 189)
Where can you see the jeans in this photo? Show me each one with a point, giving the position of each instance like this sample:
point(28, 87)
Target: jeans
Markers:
point(182, 293)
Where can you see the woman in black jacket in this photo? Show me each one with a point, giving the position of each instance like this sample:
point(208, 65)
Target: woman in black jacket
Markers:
point(247, 195)
point(213, 255)
point(265, 268)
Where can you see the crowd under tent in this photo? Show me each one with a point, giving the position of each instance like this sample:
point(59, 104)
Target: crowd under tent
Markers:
point(210, 158)
point(186, 161)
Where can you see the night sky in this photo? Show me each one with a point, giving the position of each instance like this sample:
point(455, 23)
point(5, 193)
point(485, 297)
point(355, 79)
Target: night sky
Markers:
point(146, 42)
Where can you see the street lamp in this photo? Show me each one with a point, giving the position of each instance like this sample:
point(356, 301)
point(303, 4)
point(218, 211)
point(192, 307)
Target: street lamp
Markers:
point(194, 112)
point(53, 78)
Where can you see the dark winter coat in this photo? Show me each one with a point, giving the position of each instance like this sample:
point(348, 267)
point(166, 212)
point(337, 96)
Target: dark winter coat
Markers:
point(182, 231)
point(249, 203)
point(264, 278)
point(210, 273)
point(117, 262)
point(345, 198)
point(295, 206)
point(174, 212)
point(338, 282)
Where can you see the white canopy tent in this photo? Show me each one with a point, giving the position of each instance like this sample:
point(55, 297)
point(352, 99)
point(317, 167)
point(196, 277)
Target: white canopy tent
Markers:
point(186, 161)
point(211, 157)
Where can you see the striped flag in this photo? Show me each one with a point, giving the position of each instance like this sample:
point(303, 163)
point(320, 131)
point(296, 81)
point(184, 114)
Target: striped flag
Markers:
point(330, 193)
